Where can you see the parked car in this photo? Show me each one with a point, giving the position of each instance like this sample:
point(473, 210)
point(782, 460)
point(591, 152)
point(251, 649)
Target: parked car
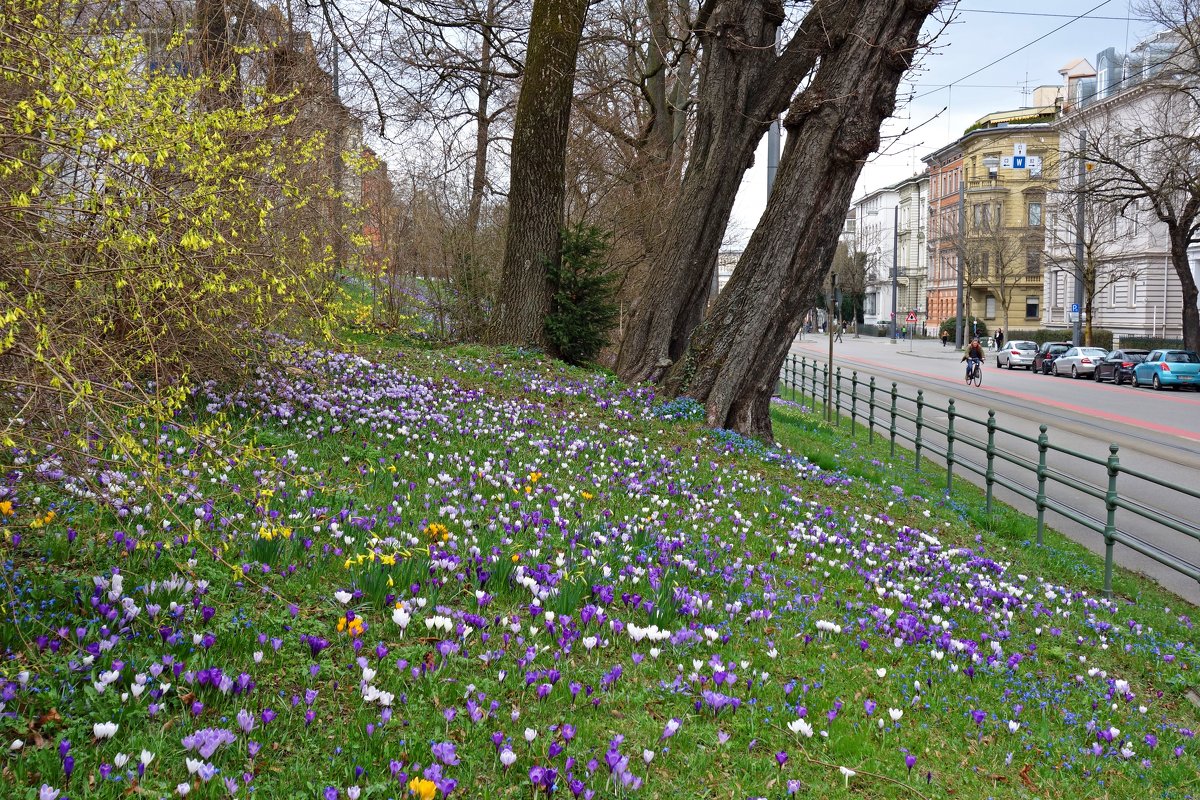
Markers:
point(1179, 368)
point(1078, 361)
point(1118, 366)
point(1016, 354)
point(1046, 354)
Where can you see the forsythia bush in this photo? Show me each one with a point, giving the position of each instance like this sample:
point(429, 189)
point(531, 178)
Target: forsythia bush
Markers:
point(149, 235)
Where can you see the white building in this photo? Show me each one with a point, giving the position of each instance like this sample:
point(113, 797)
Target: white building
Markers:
point(912, 255)
point(875, 234)
point(1137, 291)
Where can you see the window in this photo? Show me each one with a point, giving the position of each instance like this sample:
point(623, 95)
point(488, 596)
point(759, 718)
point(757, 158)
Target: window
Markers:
point(989, 307)
point(1133, 292)
point(984, 263)
point(1031, 306)
point(870, 304)
point(1035, 215)
point(1033, 261)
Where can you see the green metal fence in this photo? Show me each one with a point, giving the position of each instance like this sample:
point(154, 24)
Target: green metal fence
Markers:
point(866, 404)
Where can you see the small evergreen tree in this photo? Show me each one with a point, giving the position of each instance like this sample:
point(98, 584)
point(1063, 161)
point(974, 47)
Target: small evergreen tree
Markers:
point(582, 307)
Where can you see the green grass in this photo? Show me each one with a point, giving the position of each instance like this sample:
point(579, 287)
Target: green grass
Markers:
point(560, 490)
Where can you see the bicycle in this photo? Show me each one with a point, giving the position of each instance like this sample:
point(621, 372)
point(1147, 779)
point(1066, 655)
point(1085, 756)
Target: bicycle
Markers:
point(975, 373)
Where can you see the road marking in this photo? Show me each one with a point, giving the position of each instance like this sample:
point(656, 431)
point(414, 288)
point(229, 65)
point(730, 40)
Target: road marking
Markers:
point(1037, 399)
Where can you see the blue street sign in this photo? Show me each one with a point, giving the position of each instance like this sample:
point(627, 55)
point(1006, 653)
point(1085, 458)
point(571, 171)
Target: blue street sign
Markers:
point(1019, 162)
point(1074, 308)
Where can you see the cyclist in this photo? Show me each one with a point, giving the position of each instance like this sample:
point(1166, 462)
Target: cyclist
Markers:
point(973, 357)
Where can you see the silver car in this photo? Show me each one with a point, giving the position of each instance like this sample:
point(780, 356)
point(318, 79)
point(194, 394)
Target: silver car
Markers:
point(1079, 361)
point(1017, 353)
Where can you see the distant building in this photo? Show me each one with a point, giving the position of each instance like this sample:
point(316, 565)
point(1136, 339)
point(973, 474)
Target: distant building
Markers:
point(945, 195)
point(874, 235)
point(912, 254)
point(1137, 290)
point(987, 207)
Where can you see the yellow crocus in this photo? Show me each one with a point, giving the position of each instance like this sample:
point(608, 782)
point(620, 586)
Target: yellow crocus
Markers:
point(423, 789)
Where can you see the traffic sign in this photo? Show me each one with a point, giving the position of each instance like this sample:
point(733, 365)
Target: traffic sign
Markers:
point(1019, 150)
point(1074, 308)
point(912, 317)
point(1018, 162)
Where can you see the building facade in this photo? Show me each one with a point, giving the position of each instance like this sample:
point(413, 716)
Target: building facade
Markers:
point(1128, 280)
point(945, 194)
point(988, 203)
point(875, 236)
point(912, 254)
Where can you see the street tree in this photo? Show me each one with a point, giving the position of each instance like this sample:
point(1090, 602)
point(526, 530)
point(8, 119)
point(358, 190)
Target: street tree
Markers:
point(537, 188)
point(732, 360)
point(1145, 152)
point(745, 81)
point(1104, 230)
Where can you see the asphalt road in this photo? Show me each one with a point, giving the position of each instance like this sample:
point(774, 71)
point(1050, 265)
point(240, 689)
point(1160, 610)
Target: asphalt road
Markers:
point(1157, 433)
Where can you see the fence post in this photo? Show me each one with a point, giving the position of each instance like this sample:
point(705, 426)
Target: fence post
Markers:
point(871, 417)
point(1043, 443)
point(990, 475)
point(803, 375)
point(853, 401)
point(950, 444)
point(892, 428)
point(1110, 524)
point(837, 395)
point(920, 422)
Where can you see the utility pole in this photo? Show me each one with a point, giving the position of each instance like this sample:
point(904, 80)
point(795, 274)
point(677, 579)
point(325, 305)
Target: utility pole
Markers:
point(895, 262)
point(829, 364)
point(1077, 329)
point(962, 251)
point(773, 132)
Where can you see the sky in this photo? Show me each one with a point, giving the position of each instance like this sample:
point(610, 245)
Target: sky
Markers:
point(982, 31)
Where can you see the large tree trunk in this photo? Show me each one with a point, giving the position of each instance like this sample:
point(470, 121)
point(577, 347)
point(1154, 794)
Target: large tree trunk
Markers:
point(743, 86)
point(733, 360)
point(535, 198)
point(1183, 268)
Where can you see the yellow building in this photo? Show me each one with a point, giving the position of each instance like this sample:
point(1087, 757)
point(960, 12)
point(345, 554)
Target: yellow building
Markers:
point(1009, 163)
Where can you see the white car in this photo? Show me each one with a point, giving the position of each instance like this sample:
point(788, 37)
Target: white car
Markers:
point(1017, 353)
point(1079, 361)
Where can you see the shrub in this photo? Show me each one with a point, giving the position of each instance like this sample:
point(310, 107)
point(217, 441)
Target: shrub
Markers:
point(582, 308)
point(974, 327)
point(152, 231)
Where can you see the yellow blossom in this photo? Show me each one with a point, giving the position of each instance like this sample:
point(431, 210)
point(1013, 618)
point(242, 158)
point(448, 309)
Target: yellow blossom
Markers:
point(6, 508)
point(423, 789)
point(587, 495)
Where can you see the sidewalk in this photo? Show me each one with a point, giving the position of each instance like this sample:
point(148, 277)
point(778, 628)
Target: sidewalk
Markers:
point(876, 346)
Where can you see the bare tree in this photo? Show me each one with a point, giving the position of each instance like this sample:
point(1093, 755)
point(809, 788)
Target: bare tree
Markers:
point(851, 269)
point(1145, 150)
point(1103, 232)
point(995, 255)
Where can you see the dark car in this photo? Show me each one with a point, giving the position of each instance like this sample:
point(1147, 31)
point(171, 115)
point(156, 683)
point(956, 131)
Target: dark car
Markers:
point(1044, 360)
point(1118, 366)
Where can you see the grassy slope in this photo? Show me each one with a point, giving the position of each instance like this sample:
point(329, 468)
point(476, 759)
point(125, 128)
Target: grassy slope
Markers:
point(480, 490)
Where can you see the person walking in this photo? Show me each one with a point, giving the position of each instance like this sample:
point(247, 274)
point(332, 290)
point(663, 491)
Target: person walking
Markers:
point(999, 338)
point(840, 330)
point(945, 337)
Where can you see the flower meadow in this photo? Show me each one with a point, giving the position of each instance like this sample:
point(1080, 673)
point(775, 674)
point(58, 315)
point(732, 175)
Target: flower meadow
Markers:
point(470, 573)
